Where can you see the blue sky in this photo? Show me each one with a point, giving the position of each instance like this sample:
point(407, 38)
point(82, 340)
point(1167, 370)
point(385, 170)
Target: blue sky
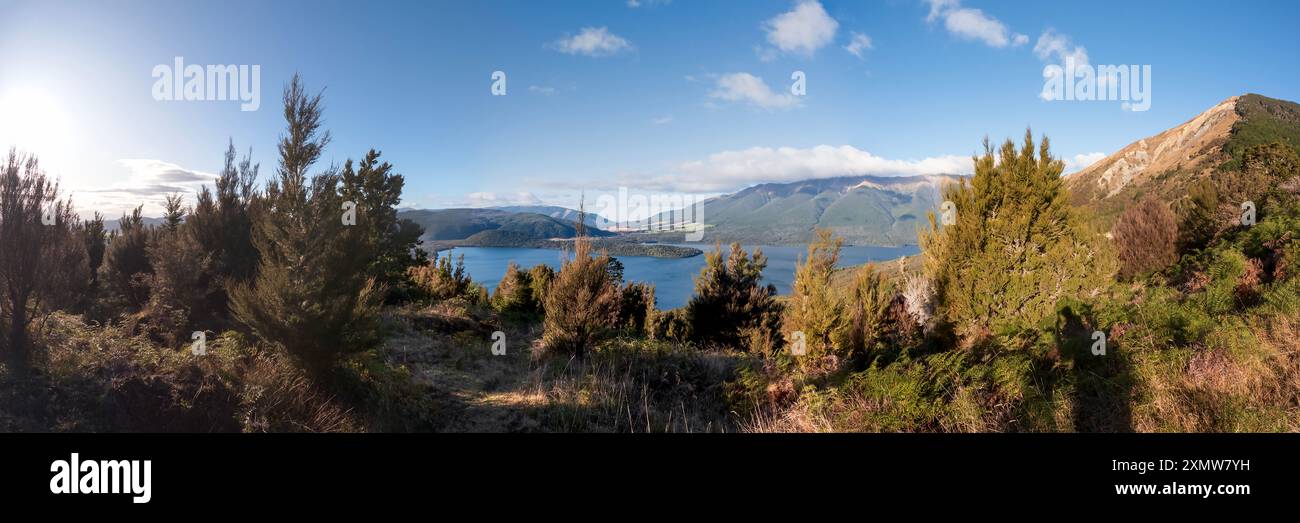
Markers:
point(663, 97)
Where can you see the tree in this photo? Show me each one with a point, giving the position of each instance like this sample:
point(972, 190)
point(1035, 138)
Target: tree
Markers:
point(173, 212)
point(1146, 238)
point(42, 260)
point(730, 299)
point(814, 309)
point(582, 303)
point(440, 279)
point(1015, 248)
point(540, 278)
point(181, 282)
point(96, 242)
point(636, 307)
point(1198, 216)
point(312, 293)
point(867, 303)
point(126, 268)
point(514, 294)
point(376, 191)
point(220, 225)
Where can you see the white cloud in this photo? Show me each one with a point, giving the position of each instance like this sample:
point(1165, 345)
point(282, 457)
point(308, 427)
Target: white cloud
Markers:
point(1082, 161)
point(668, 118)
point(1056, 47)
point(592, 41)
point(147, 182)
point(803, 30)
point(750, 89)
point(859, 44)
point(973, 24)
point(647, 3)
point(732, 170)
point(492, 199)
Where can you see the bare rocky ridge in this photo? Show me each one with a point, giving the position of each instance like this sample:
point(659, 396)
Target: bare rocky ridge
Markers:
point(1193, 147)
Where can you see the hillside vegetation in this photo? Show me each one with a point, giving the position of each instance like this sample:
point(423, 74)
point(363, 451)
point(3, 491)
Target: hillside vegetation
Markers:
point(259, 310)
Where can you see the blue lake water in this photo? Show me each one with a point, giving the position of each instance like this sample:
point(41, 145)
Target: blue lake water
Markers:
point(673, 278)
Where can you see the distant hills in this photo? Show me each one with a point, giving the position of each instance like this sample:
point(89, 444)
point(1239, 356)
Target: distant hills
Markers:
point(113, 224)
point(559, 213)
point(1165, 165)
point(864, 210)
point(446, 228)
point(491, 227)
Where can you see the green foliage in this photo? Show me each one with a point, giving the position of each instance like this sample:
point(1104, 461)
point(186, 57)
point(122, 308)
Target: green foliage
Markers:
point(867, 308)
point(221, 226)
point(814, 308)
point(42, 258)
point(514, 293)
point(539, 282)
point(672, 325)
point(636, 308)
point(440, 279)
point(1263, 120)
point(96, 241)
point(729, 298)
point(1015, 248)
point(377, 191)
point(180, 285)
point(312, 294)
point(582, 305)
point(1198, 215)
point(126, 267)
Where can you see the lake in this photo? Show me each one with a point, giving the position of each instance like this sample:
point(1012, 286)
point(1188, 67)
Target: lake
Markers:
point(673, 278)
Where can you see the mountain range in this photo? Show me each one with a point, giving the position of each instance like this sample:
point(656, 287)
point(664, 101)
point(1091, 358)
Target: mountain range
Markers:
point(864, 210)
point(491, 227)
point(559, 213)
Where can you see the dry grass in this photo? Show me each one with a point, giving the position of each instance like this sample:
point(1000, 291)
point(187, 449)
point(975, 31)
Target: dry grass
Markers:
point(636, 386)
point(101, 379)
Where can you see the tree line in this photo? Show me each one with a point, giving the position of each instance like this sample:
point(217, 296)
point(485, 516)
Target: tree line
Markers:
point(276, 261)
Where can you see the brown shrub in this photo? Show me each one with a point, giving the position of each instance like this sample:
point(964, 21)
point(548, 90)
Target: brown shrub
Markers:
point(582, 305)
point(1146, 238)
point(1247, 289)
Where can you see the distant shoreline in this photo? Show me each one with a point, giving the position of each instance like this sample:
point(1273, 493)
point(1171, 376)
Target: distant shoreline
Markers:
point(613, 247)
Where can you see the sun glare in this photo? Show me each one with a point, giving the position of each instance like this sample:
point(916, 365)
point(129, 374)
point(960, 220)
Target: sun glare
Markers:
point(34, 122)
